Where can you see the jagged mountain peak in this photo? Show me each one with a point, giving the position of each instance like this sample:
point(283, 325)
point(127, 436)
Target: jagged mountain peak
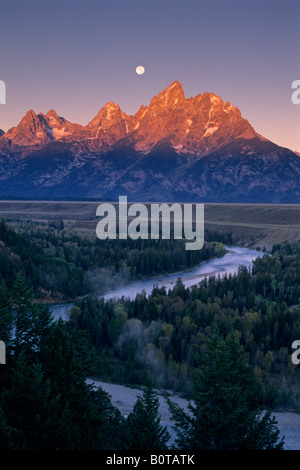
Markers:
point(111, 105)
point(177, 148)
point(141, 112)
point(31, 130)
point(194, 126)
point(174, 87)
point(110, 111)
point(52, 114)
point(171, 96)
point(30, 114)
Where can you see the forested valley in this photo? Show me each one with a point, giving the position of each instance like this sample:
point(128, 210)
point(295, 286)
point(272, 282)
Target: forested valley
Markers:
point(165, 333)
point(64, 264)
point(232, 333)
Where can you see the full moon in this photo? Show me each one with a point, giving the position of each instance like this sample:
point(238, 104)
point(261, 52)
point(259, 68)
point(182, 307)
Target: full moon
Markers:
point(140, 70)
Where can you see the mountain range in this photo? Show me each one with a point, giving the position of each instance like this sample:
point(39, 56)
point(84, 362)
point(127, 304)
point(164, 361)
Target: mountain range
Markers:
point(197, 149)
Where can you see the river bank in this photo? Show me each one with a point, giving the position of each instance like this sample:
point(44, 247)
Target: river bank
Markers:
point(234, 257)
point(124, 399)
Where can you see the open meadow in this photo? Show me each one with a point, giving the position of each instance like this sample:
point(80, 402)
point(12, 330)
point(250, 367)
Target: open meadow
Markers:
point(253, 225)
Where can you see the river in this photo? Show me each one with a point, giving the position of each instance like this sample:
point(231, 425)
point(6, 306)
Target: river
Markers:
point(123, 397)
point(229, 263)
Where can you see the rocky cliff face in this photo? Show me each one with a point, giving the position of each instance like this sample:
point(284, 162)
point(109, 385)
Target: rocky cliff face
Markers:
point(192, 126)
point(177, 148)
point(195, 125)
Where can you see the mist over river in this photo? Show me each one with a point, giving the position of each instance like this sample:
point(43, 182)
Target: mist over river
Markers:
point(229, 263)
point(124, 397)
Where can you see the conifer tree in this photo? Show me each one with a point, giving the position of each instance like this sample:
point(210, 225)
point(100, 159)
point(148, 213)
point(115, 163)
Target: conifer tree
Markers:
point(62, 368)
point(5, 432)
point(31, 412)
point(106, 428)
point(26, 317)
point(6, 315)
point(88, 419)
point(227, 413)
point(143, 424)
point(32, 321)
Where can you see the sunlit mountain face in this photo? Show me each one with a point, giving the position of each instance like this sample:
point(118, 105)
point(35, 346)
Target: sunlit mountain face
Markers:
point(194, 125)
point(177, 148)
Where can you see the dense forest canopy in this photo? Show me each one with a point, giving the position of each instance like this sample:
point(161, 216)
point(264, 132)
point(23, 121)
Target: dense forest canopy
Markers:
point(64, 264)
point(46, 404)
point(165, 332)
point(163, 339)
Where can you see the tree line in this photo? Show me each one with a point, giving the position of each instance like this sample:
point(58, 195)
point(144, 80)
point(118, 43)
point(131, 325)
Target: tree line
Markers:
point(63, 264)
point(164, 334)
point(46, 404)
